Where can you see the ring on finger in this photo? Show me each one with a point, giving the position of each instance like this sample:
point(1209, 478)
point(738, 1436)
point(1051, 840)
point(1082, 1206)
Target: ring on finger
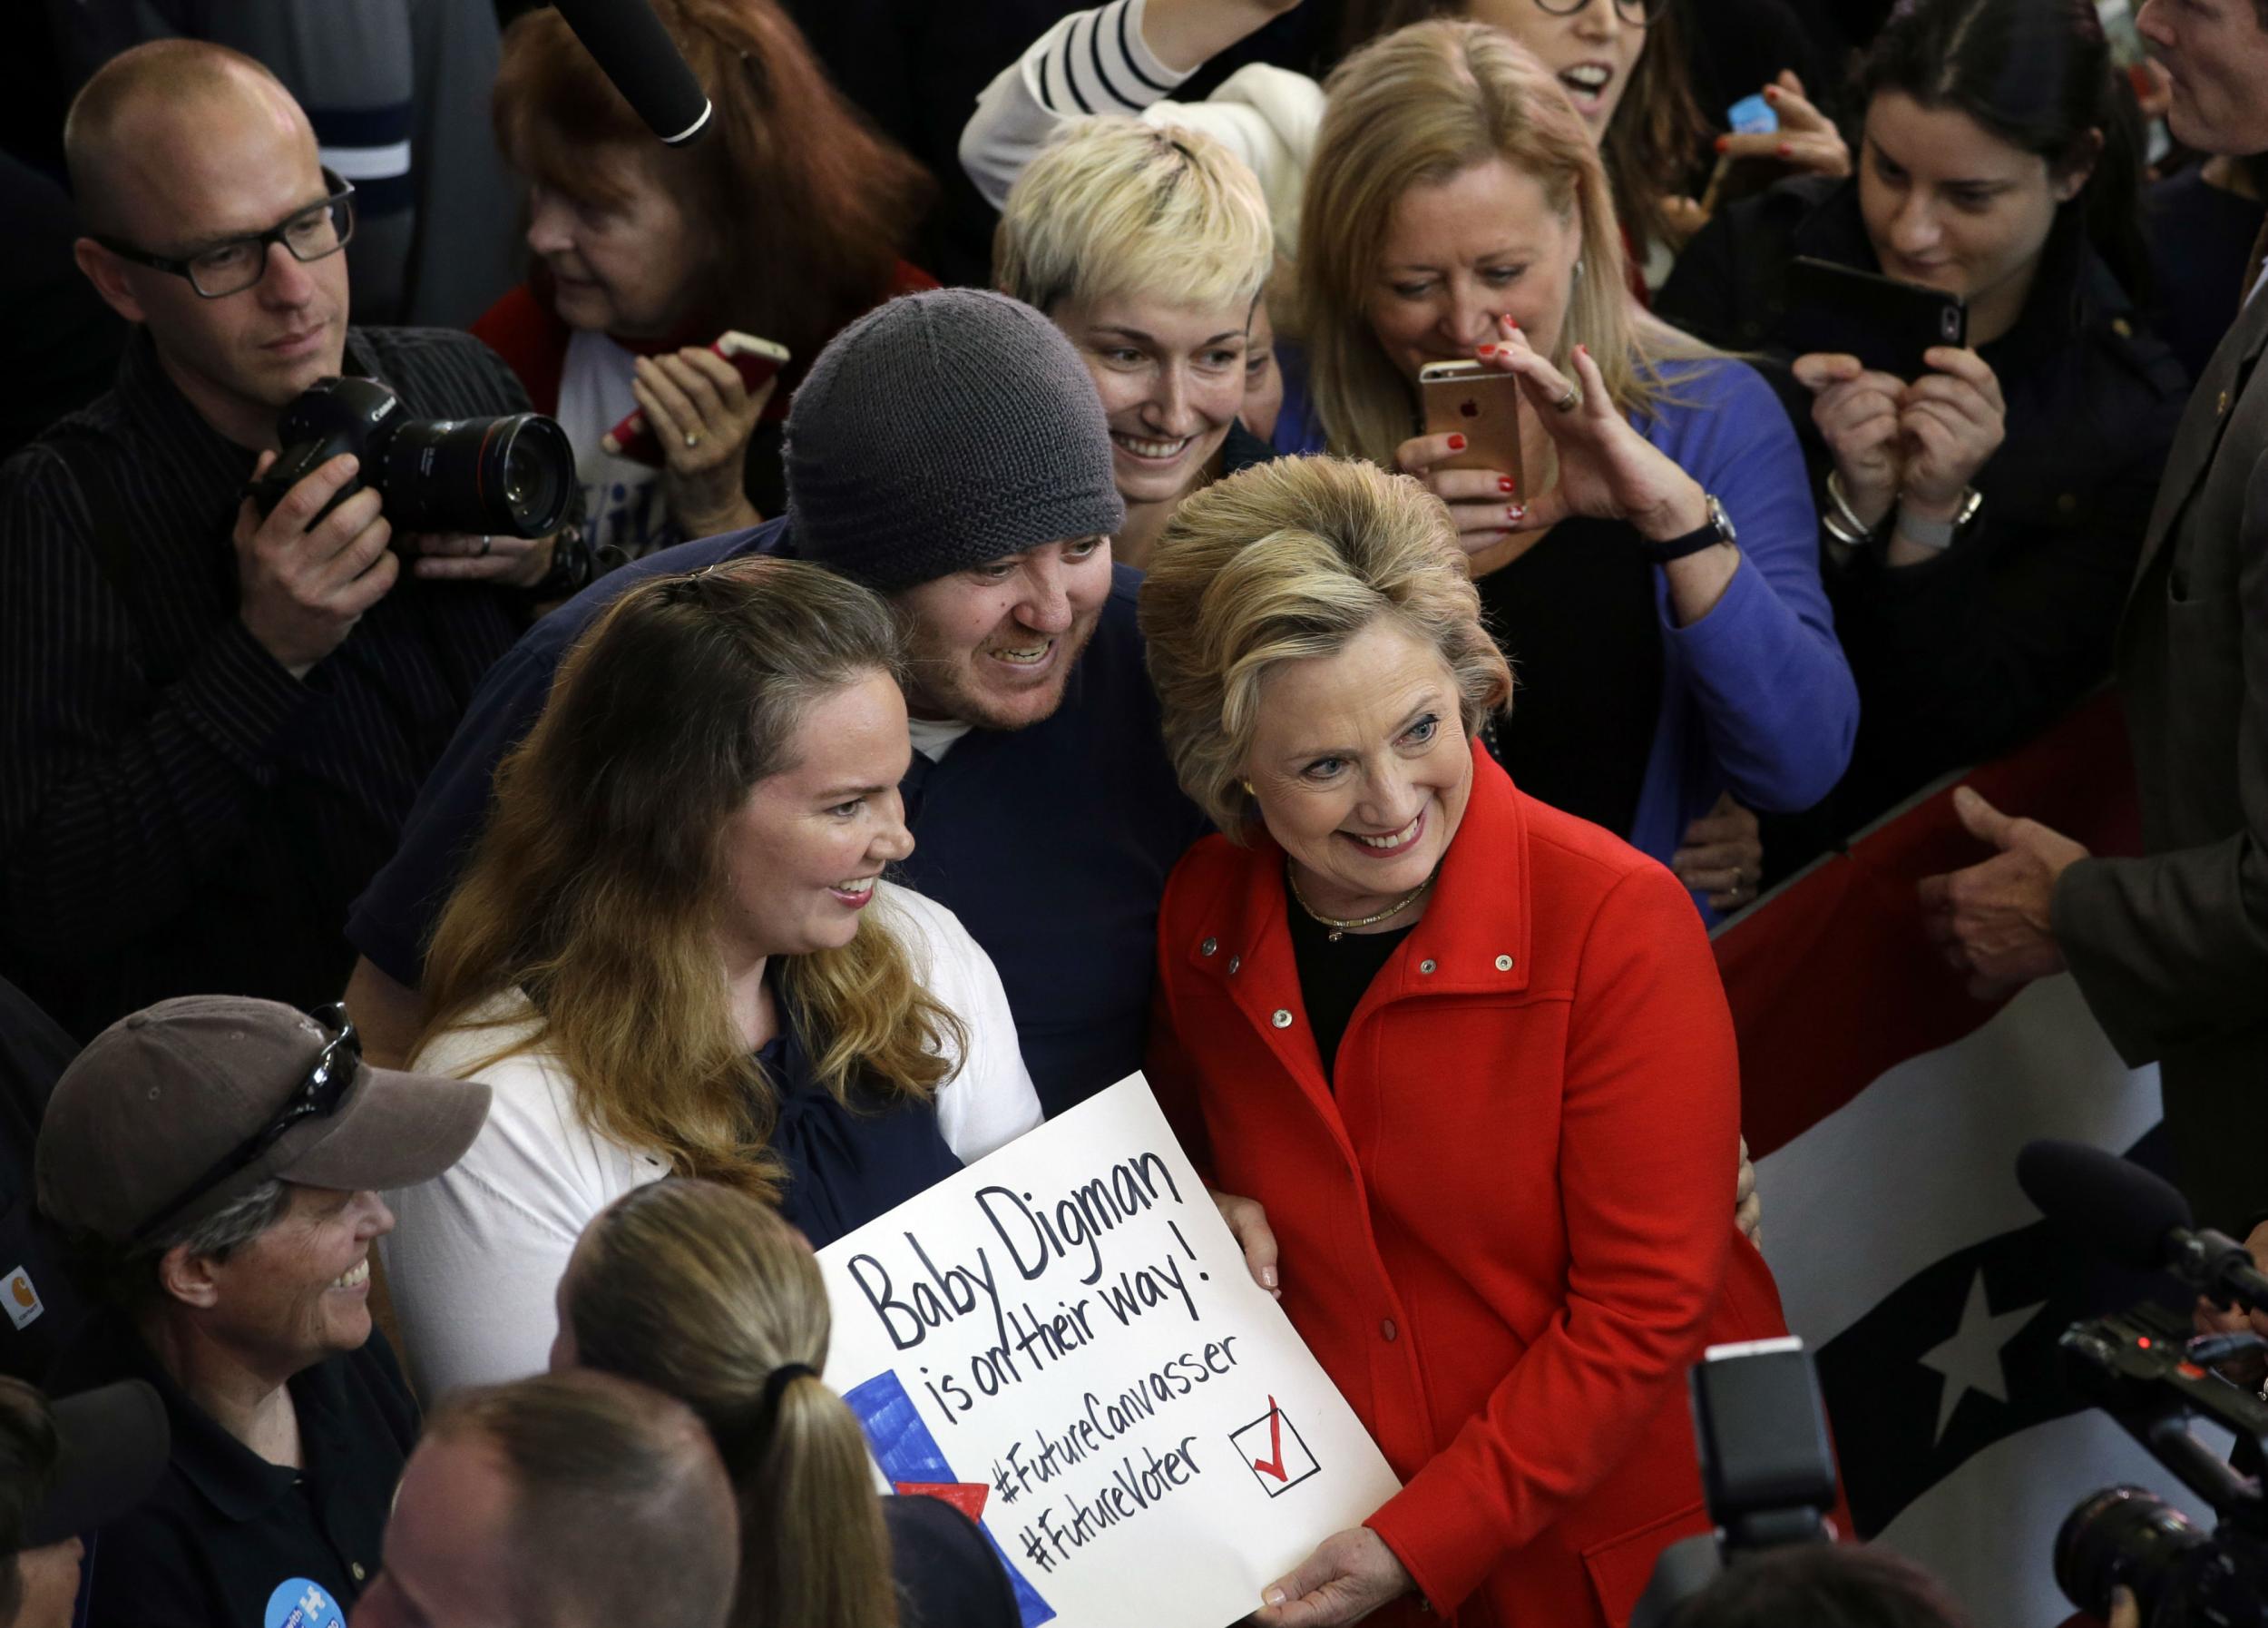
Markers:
point(692, 439)
point(487, 544)
point(1570, 401)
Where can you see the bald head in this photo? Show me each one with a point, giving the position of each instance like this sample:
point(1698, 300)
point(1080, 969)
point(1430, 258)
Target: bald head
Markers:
point(153, 116)
point(562, 1500)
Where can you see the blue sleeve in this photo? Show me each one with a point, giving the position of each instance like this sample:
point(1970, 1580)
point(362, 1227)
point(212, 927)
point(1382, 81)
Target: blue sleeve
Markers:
point(1775, 696)
point(395, 916)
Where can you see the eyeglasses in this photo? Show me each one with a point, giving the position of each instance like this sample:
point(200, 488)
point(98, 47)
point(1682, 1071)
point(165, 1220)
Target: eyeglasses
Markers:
point(318, 1096)
point(236, 264)
point(1638, 14)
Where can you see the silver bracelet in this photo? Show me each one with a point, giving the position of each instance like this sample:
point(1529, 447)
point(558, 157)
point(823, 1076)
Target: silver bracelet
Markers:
point(1853, 530)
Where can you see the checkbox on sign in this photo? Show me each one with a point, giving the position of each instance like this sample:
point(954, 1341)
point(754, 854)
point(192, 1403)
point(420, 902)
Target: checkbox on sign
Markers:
point(1272, 1448)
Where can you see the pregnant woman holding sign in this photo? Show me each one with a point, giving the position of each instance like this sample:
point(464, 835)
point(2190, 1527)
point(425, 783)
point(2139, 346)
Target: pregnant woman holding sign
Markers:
point(1470, 1053)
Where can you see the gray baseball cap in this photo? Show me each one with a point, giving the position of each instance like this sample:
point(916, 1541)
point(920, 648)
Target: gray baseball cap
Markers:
point(164, 1096)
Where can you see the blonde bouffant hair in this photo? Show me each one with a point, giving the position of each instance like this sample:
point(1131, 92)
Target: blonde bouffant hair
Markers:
point(1415, 108)
point(595, 888)
point(1116, 207)
point(1285, 562)
point(704, 1294)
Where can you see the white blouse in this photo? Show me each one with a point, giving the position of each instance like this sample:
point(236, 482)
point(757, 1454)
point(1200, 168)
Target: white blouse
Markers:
point(477, 1255)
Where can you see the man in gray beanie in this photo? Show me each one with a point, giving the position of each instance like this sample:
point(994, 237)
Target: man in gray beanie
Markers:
point(948, 450)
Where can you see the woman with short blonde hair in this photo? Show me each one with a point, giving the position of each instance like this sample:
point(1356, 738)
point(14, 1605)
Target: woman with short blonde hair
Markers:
point(709, 1297)
point(673, 953)
point(1470, 1055)
point(1150, 247)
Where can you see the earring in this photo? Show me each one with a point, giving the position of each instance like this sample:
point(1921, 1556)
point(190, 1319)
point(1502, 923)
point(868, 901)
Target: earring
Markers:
point(1579, 268)
point(1248, 790)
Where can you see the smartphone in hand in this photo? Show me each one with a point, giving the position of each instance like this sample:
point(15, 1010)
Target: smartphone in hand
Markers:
point(1887, 324)
point(754, 359)
point(1482, 404)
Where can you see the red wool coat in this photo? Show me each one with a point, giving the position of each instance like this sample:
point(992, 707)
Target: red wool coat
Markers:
point(1511, 1229)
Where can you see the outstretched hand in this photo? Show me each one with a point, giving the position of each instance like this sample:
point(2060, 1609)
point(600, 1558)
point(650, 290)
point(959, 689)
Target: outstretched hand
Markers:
point(1995, 920)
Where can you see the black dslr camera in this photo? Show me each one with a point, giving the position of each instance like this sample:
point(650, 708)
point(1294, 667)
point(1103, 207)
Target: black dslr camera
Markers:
point(511, 475)
point(2146, 1370)
point(1768, 1466)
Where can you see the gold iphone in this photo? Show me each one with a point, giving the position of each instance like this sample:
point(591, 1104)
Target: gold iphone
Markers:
point(1481, 404)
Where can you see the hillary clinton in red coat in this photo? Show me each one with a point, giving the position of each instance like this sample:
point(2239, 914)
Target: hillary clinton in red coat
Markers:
point(1500, 1197)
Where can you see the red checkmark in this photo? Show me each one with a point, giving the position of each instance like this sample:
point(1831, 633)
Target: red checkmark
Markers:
point(1273, 1464)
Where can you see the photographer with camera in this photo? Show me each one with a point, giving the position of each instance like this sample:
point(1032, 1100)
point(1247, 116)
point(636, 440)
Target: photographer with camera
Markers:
point(216, 709)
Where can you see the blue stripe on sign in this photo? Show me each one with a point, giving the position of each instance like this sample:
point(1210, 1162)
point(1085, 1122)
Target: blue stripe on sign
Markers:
point(906, 1451)
point(363, 126)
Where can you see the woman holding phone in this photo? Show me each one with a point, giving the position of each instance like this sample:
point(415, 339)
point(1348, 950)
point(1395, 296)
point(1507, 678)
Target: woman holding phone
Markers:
point(1979, 522)
point(1650, 569)
point(784, 222)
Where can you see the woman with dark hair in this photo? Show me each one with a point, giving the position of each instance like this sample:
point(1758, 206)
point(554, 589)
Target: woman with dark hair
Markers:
point(785, 221)
point(674, 952)
point(1980, 523)
point(708, 1296)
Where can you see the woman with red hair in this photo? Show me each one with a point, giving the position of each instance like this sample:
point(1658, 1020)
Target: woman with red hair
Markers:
point(785, 221)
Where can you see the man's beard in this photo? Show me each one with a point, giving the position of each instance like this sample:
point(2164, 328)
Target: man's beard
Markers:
point(944, 685)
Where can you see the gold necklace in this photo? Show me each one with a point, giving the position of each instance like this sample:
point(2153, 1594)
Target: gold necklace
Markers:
point(1339, 928)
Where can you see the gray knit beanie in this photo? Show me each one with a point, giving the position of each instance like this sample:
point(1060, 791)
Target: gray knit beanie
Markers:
point(940, 431)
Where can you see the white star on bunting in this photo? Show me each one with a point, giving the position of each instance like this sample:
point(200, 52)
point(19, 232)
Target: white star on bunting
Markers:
point(1970, 1359)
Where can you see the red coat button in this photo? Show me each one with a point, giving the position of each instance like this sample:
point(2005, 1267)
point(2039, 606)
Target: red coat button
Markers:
point(1386, 1329)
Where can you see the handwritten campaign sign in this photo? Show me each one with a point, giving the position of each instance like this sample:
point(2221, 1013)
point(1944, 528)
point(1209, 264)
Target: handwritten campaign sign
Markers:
point(1063, 1340)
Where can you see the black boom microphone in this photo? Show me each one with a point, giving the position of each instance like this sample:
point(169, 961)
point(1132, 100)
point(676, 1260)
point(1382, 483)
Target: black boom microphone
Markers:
point(633, 50)
point(2138, 1220)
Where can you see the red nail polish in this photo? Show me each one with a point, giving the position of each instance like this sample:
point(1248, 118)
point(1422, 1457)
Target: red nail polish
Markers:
point(1582, 350)
point(1787, 150)
point(1456, 443)
point(1485, 350)
point(1507, 484)
point(1772, 92)
point(1724, 143)
point(1516, 512)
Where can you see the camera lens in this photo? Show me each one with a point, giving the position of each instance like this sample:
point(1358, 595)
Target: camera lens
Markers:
point(537, 473)
point(510, 475)
point(2122, 1534)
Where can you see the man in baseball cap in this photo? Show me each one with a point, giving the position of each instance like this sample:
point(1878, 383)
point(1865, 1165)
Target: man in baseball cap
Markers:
point(65, 1469)
point(215, 1163)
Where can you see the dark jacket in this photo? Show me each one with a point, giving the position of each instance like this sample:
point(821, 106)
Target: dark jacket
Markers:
point(1961, 658)
point(2171, 950)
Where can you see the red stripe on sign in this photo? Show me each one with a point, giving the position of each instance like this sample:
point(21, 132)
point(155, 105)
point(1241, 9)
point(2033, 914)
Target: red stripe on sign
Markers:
point(967, 1496)
point(1832, 982)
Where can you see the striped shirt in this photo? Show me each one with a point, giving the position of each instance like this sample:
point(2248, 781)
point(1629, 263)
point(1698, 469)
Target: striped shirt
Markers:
point(178, 814)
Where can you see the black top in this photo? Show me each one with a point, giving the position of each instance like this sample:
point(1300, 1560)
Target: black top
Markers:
point(1334, 975)
point(947, 1575)
point(43, 1306)
point(59, 343)
point(177, 812)
point(846, 1163)
point(229, 1537)
point(1576, 616)
point(2200, 242)
point(1963, 657)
